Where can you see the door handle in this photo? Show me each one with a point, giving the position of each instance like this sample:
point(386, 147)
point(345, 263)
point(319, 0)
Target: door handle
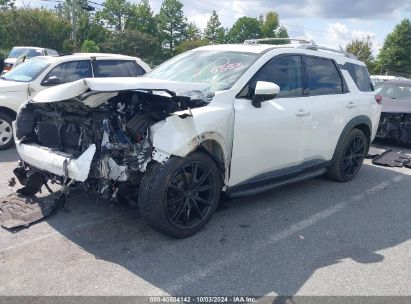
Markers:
point(302, 112)
point(350, 105)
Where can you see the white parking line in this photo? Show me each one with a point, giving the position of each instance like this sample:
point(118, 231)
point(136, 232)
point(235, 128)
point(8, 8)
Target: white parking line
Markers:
point(217, 266)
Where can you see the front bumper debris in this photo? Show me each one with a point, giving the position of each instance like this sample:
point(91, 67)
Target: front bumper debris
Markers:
point(396, 126)
point(20, 210)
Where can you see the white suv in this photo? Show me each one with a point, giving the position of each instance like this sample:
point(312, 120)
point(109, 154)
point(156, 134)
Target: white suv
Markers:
point(40, 73)
point(238, 119)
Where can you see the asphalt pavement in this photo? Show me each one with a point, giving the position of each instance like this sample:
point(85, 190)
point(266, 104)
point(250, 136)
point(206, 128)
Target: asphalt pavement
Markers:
point(318, 237)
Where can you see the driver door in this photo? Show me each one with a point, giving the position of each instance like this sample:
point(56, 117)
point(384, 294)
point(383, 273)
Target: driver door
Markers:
point(270, 138)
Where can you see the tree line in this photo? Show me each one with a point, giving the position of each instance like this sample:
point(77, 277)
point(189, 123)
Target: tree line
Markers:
point(126, 28)
point(394, 58)
point(134, 29)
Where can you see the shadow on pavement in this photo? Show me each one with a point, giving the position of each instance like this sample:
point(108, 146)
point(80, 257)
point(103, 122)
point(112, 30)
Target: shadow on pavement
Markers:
point(268, 243)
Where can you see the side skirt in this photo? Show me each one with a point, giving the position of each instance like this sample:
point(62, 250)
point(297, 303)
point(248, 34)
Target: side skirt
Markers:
point(258, 185)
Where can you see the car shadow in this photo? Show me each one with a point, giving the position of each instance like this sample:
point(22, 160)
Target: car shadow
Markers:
point(264, 244)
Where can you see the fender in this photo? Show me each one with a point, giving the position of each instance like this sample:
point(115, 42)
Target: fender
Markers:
point(358, 120)
point(179, 137)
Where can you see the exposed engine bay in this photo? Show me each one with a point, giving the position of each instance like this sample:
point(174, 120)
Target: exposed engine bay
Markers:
point(117, 128)
point(395, 126)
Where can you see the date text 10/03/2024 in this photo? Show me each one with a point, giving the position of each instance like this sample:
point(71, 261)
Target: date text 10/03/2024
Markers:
point(200, 299)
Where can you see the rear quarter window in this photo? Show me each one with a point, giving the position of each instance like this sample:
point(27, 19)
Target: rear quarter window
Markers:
point(117, 68)
point(323, 77)
point(359, 74)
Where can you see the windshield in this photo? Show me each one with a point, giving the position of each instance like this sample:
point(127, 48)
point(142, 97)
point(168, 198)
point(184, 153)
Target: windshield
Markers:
point(17, 52)
point(394, 90)
point(27, 71)
point(220, 69)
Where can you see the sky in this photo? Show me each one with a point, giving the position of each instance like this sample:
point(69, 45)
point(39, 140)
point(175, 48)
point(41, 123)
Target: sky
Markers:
point(331, 23)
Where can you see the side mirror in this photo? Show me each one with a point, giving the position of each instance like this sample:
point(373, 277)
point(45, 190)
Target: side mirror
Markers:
point(264, 91)
point(52, 80)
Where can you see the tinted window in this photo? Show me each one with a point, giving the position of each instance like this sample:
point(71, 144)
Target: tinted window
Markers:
point(71, 71)
point(360, 76)
point(323, 77)
point(117, 68)
point(286, 72)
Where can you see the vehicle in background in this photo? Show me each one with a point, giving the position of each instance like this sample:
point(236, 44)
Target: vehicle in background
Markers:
point(234, 118)
point(21, 53)
point(376, 79)
point(395, 121)
point(37, 74)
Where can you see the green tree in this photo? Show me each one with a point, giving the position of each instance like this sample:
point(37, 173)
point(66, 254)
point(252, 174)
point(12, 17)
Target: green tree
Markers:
point(271, 28)
point(282, 32)
point(395, 55)
point(214, 32)
point(130, 42)
point(115, 13)
point(270, 25)
point(142, 19)
point(244, 28)
point(187, 45)
point(95, 30)
point(172, 24)
point(6, 4)
point(362, 49)
point(89, 46)
point(193, 32)
point(16, 28)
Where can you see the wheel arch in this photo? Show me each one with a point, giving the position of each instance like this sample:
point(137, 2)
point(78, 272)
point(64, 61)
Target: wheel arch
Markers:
point(8, 111)
point(210, 143)
point(212, 148)
point(362, 123)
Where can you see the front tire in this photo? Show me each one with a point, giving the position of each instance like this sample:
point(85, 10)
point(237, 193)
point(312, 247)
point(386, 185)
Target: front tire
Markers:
point(349, 157)
point(6, 131)
point(179, 197)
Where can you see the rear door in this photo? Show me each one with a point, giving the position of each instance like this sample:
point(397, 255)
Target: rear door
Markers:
point(116, 68)
point(331, 107)
point(270, 138)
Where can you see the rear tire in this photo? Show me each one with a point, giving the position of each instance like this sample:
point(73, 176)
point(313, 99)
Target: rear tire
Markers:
point(6, 131)
point(349, 157)
point(179, 197)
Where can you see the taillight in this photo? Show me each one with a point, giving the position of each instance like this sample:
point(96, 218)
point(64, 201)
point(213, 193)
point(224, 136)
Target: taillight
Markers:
point(378, 99)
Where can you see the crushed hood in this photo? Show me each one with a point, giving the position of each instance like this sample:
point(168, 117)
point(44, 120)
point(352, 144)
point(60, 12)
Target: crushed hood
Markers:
point(107, 85)
point(7, 86)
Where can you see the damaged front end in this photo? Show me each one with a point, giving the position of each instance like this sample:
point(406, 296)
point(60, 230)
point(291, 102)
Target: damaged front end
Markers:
point(101, 140)
point(396, 126)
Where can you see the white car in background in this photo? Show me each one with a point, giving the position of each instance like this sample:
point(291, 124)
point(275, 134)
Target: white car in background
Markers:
point(40, 73)
point(376, 79)
point(239, 119)
point(27, 52)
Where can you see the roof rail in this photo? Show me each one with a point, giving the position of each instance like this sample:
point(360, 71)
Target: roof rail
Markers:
point(304, 44)
point(256, 41)
point(316, 47)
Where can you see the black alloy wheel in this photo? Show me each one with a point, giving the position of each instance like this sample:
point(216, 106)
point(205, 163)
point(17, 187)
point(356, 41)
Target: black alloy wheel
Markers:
point(189, 195)
point(349, 156)
point(179, 197)
point(354, 156)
